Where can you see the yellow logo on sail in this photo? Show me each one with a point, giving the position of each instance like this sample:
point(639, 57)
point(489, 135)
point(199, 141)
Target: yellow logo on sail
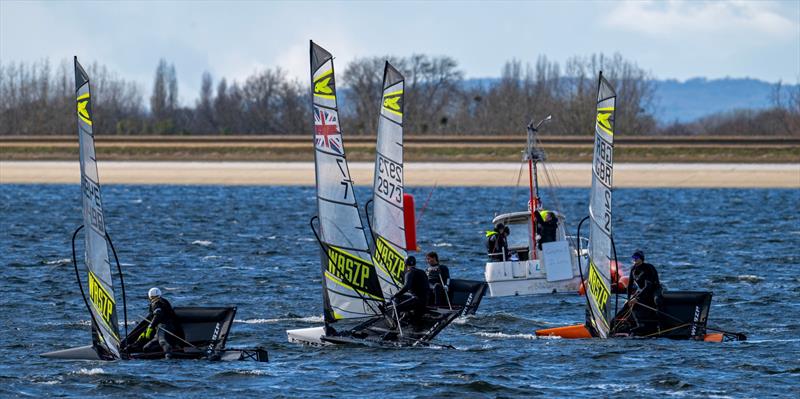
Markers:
point(604, 120)
point(83, 110)
point(393, 102)
point(323, 86)
point(597, 288)
point(103, 301)
point(389, 259)
point(350, 271)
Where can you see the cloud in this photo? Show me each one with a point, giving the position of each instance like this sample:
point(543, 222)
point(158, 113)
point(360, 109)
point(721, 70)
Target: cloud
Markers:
point(677, 18)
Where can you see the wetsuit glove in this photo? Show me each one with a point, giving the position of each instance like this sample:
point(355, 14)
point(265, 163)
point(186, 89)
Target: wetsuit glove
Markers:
point(147, 334)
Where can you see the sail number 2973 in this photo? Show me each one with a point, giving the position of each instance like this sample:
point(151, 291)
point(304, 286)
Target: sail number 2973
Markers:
point(390, 179)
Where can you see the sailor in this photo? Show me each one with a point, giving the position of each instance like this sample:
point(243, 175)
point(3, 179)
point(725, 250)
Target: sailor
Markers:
point(414, 294)
point(164, 323)
point(438, 280)
point(497, 244)
point(546, 226)
point(645, 296)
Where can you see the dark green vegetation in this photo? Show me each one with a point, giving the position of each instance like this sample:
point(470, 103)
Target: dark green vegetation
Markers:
point(39, 100)
point(420, 148)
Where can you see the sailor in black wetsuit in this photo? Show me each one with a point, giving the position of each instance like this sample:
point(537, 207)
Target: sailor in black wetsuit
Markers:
point(645, 293)
point(164, 323)
point(414, 294)
point(546, 227)
point(438, 279)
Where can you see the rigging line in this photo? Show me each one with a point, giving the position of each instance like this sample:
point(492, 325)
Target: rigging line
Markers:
point(122, 283)
point(516, 186)
point(80, 284)
point(177, 337)
point(425, 205)
point(660, 332)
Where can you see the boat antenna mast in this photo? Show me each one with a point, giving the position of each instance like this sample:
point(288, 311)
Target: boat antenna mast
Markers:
point(534, 155)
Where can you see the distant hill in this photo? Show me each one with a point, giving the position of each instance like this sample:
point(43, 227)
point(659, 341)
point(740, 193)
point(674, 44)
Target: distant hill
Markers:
point(698, 97)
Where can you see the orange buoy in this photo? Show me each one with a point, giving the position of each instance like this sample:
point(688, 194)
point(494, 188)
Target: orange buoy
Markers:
point(569, 332)
point(582, 289)
point(714, 337)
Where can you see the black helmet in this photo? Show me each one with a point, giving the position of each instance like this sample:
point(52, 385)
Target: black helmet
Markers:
point(411, 261)
point(638, 254)
point(499, 227)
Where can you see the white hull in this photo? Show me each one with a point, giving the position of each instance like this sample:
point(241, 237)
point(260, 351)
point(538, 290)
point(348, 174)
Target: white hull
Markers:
point(532, 286)
point(513, 278)
point(307, 336)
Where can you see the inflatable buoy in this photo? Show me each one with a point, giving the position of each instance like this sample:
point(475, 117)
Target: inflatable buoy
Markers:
point(618, 284)
point(621, 286)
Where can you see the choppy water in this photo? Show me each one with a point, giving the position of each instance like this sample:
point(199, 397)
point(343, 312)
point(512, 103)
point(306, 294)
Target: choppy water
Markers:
point(251, 246)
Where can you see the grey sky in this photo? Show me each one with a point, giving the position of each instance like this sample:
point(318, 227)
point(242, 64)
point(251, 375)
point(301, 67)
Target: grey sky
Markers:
point(234, 39)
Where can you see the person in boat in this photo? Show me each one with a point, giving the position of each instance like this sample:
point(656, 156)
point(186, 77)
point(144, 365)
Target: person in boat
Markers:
point(546, 227)
point(497, 243)
point(413, 296)
point(438, 280)
point(163, 332)
point(645, 296)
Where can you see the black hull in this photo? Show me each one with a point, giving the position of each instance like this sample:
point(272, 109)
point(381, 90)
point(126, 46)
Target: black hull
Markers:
point(206, 331)
point(380, 332)
point(466, 295)
point(682, 315)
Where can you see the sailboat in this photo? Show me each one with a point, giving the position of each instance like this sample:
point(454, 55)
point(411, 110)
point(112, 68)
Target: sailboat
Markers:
point(391, 204)
point(531, 267)
point(354, 289)
point(206, 328)
point(681, 315)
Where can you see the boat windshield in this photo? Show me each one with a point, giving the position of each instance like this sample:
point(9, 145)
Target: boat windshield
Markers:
point(520, 235)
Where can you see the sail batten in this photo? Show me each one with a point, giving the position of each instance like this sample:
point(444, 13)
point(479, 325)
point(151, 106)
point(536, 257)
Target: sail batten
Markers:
point(388, 222)
point(351, 287)
point(600, 312)
point(105, 330)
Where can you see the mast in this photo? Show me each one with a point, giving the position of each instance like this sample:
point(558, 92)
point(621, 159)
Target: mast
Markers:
point(350, 282)
point(388, 219)
point(598, 292)
point(534, 156)
point(105, 330)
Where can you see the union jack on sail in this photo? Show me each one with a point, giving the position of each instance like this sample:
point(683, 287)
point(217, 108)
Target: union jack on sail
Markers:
point(326, 126)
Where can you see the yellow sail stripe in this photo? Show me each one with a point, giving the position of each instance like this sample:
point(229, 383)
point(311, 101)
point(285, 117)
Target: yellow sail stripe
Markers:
point(394, 93)
point(337, 281)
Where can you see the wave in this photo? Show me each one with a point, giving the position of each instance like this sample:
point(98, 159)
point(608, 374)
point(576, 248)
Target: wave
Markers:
point(442, 244)
point(506, 336)
point(750, 278)
point(203, 243)
point(93, 371)
point(307, 319)
point(58, 262)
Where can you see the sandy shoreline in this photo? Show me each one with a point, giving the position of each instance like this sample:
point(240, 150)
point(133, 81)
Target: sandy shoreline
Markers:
point(416, 174)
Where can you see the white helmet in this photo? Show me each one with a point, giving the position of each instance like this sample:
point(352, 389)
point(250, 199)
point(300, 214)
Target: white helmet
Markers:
point(154, 293)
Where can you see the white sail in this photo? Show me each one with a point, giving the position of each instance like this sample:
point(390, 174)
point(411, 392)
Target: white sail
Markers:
point(600, 233)
point(351, 286)
point(101, 287)
point(388, 224)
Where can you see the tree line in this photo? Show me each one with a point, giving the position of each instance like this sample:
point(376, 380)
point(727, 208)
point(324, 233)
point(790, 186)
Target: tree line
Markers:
point(39, 99)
